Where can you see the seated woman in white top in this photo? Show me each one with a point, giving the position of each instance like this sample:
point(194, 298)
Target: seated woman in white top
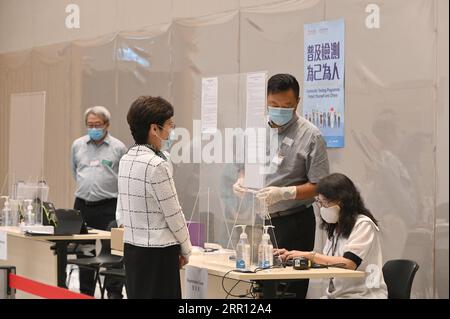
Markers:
point(156, 238)
point(352, 240)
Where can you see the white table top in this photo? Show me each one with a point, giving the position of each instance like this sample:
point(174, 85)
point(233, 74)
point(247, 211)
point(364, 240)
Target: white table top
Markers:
point(220, 269)
point(92, 235)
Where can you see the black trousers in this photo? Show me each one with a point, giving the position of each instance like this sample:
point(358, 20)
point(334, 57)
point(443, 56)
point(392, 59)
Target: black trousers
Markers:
point(97, 216)
point(152, 273)
point(296, 232)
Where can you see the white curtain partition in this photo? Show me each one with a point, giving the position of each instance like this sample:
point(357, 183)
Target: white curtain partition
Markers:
point(394, 98)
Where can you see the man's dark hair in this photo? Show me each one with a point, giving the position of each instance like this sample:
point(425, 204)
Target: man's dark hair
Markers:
point(147, 110)
point(282, 83)
point(338, 187)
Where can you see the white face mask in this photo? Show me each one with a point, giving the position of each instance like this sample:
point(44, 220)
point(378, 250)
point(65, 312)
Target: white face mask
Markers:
point(330, 214)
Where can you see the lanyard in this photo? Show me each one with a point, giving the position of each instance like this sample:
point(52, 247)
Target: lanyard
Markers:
point(333, 247)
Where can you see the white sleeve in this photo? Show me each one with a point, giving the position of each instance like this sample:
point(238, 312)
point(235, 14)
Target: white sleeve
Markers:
point(166, 195)
point(73, 162)
point(359, 242)
point(119, 213)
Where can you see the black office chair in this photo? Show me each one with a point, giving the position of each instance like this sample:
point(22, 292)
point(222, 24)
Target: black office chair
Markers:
point(399, 276)
point(72, 249)
point(104, 259)
point(112, 273)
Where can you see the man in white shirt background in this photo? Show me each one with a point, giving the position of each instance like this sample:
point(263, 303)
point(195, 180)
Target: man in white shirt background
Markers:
point(95, 164)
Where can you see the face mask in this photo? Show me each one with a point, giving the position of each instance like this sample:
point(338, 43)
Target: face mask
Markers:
point(330, 214)
point(166, 144)
point(280, 115)
point(95, 134)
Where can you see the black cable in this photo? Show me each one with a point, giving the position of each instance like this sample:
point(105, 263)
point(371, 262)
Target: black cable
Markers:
point(250, 293)
point(229, 291)
point(251, 290)
point(271, 267)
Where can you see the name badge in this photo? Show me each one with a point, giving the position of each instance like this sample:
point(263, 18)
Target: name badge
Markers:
point(107, 163)
point(288, 141)
point(278, 159)
point(94, 163)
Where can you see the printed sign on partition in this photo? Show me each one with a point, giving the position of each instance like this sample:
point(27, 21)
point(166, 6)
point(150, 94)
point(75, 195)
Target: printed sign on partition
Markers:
point(210, 87)
point(323, 83)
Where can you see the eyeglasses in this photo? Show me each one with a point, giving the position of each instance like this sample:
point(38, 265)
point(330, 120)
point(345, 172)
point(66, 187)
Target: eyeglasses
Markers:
point(322, 203)
point(96, 125)
point(172, 126)
point(281, 107)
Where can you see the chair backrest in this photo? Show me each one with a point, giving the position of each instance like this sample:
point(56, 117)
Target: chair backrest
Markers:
point(399, 276)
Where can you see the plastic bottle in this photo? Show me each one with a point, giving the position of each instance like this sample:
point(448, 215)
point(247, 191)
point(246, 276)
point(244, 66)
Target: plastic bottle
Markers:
point(269, 249)
point(6, 217)
point(243, 251)
point(29, 215)
point(265, 249)
point(14, 204)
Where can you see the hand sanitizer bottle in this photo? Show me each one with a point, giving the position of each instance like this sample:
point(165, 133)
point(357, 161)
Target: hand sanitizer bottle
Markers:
point(29, 215)
point(6, 218)
point(243, 251)
point(265, 249)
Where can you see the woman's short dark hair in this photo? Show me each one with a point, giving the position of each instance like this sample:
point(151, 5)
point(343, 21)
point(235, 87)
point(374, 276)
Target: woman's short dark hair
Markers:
point(338, 187)
point(144, 111)
point(282, 83)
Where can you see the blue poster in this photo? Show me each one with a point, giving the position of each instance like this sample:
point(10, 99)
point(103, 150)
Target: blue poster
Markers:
point(323, 83)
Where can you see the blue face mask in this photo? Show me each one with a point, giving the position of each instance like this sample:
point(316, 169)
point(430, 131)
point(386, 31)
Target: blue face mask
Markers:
point(167, 144)
point(280, 115)
point(96, 134)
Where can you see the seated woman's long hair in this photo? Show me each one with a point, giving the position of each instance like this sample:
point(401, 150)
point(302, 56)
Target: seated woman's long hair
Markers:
point(338, 187)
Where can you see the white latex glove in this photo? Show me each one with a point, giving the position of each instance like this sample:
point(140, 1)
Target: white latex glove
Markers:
point(272, 194)
point(238, 189)
point(263, 210)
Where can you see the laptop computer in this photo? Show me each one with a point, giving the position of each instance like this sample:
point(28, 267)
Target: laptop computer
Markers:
point(64, 221)
point(69, 222)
